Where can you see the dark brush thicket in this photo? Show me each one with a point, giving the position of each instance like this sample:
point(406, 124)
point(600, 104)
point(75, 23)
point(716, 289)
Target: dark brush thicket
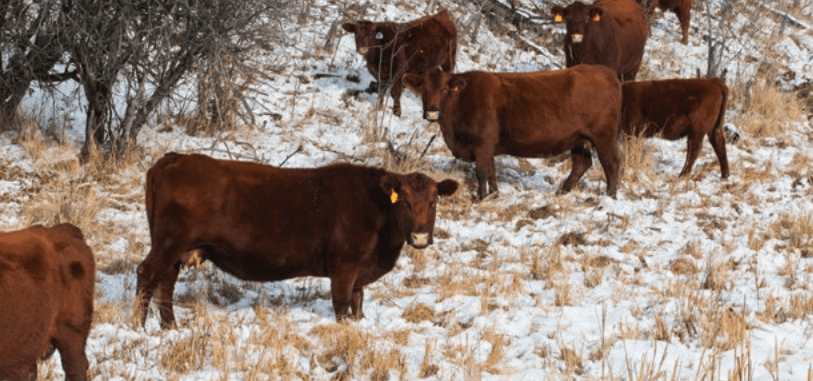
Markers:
point(140, 50)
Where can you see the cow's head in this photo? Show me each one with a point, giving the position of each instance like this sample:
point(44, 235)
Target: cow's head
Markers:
point(369, 35)
point(435, 86)
point(577, 17)
point(414, 197)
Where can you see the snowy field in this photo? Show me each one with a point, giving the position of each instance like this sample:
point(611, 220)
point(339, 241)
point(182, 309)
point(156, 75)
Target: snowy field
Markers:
point(674, 279)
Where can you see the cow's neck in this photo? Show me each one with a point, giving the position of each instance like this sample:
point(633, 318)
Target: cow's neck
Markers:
point(391, 244)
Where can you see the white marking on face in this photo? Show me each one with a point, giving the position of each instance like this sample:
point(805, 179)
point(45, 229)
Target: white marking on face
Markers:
point(577, 38)
point(432, 115)
point(420, 239)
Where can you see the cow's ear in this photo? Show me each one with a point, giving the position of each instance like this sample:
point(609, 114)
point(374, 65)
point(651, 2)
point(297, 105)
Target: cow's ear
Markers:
point(391, 185)
point(447, 187)
point(558, 13)
point(412, 81)
point(350, 27)
point(457, 84)
point(595, 14)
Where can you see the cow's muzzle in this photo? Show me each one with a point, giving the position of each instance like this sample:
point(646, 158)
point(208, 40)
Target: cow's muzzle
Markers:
point(577, 38)
point(419, 240)
point(433, 116)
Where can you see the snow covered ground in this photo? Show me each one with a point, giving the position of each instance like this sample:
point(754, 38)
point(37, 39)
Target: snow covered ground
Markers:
point(676, 279)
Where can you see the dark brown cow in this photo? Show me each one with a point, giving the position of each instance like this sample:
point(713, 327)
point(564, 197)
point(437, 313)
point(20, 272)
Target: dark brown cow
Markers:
point(263, 223)
point(394, 49)
point(540, 114)
point(677, 108)
point(681, 8)
point(46, 300)
point(609, 32)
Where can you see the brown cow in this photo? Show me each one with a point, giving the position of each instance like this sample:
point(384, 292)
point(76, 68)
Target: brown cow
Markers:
point(540, 114)
point(608, 32)
point(394, 49)
point(677, 108)
point(263, 223)
point(46, 300)
point(681, 8)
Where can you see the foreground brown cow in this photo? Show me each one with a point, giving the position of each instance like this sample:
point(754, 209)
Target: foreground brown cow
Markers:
point(540, 114)
point(264, 223)
point(46, 300)
point(609, 32)
point(677, 108)
point(393, 49)
point(681, 8)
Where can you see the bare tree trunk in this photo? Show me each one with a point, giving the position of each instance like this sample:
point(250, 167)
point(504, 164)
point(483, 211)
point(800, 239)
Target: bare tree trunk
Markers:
point(98, 95)
point(34, 47)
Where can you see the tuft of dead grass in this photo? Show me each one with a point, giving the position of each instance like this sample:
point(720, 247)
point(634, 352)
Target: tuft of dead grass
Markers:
point(684, 265)
point(416, 313)
point(767, 111)
point(186, 355)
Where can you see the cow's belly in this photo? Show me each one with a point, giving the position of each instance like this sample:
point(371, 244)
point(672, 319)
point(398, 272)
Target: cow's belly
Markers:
point(269, 266)
point(537, 146)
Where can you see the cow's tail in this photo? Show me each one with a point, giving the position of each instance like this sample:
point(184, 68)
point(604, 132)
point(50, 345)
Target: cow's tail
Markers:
point(720, 124)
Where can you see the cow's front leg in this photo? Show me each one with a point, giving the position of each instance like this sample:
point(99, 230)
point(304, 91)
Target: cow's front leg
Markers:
point(341, 288)
point(395, 91)
point(70, 342)
point(356, 303)
point(484, 172)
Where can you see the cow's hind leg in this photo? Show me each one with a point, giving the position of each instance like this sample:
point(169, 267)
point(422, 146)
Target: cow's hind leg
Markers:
point(581, 160)
point(608, 157)
point(70, 342)
point(151, 273)
point(693, 146)
point(684, 16)
point(166, 291)
point(717, 140)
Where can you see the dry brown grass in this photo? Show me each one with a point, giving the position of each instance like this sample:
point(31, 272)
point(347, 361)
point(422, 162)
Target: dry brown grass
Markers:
point(493, 362)
point(767, 111)
point(428, 368)
point(418, 312)
point(636, 159)
point(187, 354)
point(683, 266)
point(571, 358)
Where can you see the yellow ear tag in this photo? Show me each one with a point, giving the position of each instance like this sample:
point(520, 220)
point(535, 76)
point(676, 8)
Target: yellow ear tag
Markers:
point(394, 197)
point(558, 18)
point(597, 18)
